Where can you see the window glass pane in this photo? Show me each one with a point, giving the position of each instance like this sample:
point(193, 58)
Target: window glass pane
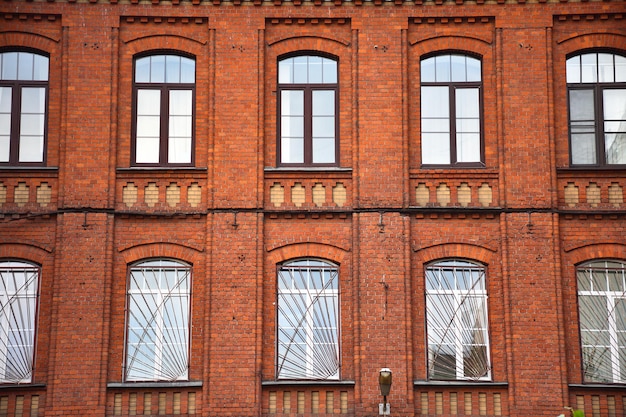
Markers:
point(457, 63)
point(149, 102)
point(620, 68)
point(285, 71)
point(427, 70)
point(33, 100)
point(435, 148)
point(615, 148)
point(323, 103)
point(9, 66)
point(181, 102)
point(5, 99)
point(172, 69)
point(142, 70)
point(315, 69)
point(467, 103)
point(4, 148)
point(179, 150)
point(180, 127)
point(436, 125)
point(148, 126)
point(25, 66)
point(435, 102)
point(468, 147)
point(187, 70)
point(442, 68)
point(5, 124)
point(31, 149)
point(581, 106)
point(589, 67)
point(300, 70)
point(474, 72)
point(157, 69)
point(292, 127)
point(605, 68)
point(40, 68)
point(292, 102)
point(292, 150)
point(31, 124)
point(583, 149)
point(330, 71)
point(147, 150)
point(615, 105)
point(323, 150)
point(572, 68)
point(323, 127)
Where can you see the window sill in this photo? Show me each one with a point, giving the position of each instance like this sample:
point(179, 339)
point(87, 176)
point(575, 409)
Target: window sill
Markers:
point(140, 384)
point(605, 168)
point(161, 169)
point(26, 169)
point(597, 386)
point(25, 386)
point(307, 169)
point(302, 382)
point(460, 384)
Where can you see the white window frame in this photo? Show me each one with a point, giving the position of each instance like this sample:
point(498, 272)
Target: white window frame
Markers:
point(468, 283)
point(299, 354)
point(161, 355)
point(18, 320)
point(603, 356)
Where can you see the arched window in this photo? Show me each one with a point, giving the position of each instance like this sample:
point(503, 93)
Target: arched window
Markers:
point(457, 321)
point(596, 84)
point(602, 315)
point(308, 111)
point(157, 333)
point(164, 89)
point(308, 320)
point(451, 110)
point(23, 108)
point(19, 282)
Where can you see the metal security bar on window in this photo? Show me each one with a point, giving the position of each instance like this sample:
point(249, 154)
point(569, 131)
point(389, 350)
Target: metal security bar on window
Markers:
point(602, 313)
point(18, 306)
point(456, 310)
point(308, 320)
point(157, 345)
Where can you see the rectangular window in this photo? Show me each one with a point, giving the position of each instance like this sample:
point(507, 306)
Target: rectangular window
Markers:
point(164, 91)
point(23, 108)
point(18, 312)
point(157, 340)
point(451, 111)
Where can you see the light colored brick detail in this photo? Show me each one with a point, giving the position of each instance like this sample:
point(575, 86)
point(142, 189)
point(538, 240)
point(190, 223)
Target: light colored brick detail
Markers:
point(44, 194)
point(21, 194)
point(277, 194)
point(3, 193)
point(172, 195)
point(422, 194)
point(443, 194)
point(194, 195)
point(485, 195)
point(340, 194)
point(616, 194)
point(593, 194)
point(151, 194)
point(298, 195)
point(319, 194)
point(571, 194)
point(464, 194)
point(129, 194)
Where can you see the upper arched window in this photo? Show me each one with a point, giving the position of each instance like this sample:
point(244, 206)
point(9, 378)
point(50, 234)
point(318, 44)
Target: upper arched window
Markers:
point(23, 108)
point(596, 84)
point(602, 315)
point(451, 110)
point(157, 325)
point(457, 321)
point(19, 283)
point(308, 111)
point(164, 90)
point(308, 320)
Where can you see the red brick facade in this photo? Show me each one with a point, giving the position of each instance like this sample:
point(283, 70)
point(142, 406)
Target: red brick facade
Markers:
point(88, 214)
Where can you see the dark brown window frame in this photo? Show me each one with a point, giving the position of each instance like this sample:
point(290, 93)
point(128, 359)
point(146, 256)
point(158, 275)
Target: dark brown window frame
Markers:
point(452, 87)
point(598, 108)
point(164, 89)
point(16, 111)
point(308, 114)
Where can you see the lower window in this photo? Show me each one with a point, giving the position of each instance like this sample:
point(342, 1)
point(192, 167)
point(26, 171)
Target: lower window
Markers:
point(456, 314)
point(18, 311)
point(308, 320)
point(602, 314)
point(157, 340)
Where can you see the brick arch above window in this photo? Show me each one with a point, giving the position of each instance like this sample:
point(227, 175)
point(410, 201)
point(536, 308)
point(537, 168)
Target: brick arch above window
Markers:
point(30, 252)
point(307, 250)
point(589, 252)
point(471, 253)
point(142, 251)
point(570, 43)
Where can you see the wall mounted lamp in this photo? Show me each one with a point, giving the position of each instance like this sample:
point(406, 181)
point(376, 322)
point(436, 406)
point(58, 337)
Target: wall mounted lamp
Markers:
point(384, 382)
